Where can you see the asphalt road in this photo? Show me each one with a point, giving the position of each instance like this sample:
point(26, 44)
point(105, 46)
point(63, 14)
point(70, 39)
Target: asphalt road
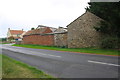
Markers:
point(66, 64)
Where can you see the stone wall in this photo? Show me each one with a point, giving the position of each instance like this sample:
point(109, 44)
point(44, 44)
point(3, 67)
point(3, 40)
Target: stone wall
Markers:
point(81, 32)
point(60, 39)
point(39, 39)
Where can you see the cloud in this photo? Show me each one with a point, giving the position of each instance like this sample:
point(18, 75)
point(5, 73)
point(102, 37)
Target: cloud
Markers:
point(18, 14)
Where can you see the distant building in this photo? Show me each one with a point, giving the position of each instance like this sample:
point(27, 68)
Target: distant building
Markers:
point(13, 35)
point(81, 32)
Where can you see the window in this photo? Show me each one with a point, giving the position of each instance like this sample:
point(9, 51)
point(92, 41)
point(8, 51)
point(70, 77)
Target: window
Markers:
point(18, 35)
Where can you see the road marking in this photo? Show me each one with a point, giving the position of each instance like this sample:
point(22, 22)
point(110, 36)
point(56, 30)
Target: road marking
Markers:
point(53, 55)
point(46, 54)
point(102, 63)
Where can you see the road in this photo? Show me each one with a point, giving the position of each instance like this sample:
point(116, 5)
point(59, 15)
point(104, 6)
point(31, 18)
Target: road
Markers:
point(66, 64)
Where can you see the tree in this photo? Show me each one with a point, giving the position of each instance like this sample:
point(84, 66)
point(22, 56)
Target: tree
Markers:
point(110, 12)
point(3, 39)
point(32, 28)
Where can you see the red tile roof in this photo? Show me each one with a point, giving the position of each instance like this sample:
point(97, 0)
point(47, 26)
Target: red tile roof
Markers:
point(39, 31)
point(14, 32)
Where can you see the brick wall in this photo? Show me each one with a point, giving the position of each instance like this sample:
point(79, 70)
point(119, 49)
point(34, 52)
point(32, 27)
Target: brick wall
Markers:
point(39, 36)
point(39, 39)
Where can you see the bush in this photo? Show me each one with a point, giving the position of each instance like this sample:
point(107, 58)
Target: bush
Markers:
point(110, 43)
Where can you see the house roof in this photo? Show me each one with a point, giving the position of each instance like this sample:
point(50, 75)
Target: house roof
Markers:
point(83, 15)
point(39, 31)
point(14, 32)
point(42, 26)
point(53, 29)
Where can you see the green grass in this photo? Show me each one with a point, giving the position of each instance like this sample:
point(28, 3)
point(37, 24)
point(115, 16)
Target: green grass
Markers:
point(4, 43)
point(16, 69)
point(0, 66)
point(82, 50)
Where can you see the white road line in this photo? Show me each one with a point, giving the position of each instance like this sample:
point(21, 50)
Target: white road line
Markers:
point(102, 63)
point(54, 55)
point(46, 54)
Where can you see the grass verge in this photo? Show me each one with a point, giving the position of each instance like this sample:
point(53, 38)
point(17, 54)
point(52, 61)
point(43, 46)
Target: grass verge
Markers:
point(16, 69)
point(4, 43)
point(82, 50)
point(0, 66)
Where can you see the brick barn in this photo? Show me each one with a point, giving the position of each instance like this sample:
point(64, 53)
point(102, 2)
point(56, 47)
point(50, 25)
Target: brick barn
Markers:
point(42, 35)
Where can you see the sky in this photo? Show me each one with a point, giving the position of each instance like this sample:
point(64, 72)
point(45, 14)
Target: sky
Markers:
point(25, 14)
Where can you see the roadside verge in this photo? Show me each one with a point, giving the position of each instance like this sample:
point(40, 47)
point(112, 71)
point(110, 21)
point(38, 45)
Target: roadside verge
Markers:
point(94, 51)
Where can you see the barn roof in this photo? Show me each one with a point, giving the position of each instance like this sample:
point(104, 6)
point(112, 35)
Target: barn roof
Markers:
point(39, 31)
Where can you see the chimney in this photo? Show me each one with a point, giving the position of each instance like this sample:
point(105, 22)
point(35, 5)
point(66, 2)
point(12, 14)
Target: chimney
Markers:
point(8, 28)
point(60, 27)
point(22, 29)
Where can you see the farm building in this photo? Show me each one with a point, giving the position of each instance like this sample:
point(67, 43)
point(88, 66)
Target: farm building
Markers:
point(81, 32)
point(40, 36)
point(60, 37)
point(44, 35)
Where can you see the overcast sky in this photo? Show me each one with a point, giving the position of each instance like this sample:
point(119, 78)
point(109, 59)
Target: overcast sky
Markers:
point(25, 14)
